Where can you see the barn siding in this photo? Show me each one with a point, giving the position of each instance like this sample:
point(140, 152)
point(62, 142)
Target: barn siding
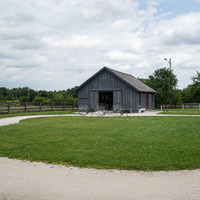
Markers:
point(122, 93)
point(105, 81)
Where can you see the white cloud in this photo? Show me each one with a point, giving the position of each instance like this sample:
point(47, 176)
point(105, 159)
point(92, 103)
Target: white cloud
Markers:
point(65, 41)
point(148, 14)
point(124, 68)
point(143, 64)
point(120, 56)
point(84, 41)
point(153, 2)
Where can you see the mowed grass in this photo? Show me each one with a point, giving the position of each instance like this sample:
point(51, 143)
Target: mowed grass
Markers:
point(132, 143)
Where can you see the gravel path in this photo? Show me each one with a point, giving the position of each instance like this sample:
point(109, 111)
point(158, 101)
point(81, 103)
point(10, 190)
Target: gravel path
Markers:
point(24, 180)
point(21, 180)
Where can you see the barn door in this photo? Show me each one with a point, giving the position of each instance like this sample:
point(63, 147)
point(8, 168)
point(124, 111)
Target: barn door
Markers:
point(94, 96)
point(117, 97)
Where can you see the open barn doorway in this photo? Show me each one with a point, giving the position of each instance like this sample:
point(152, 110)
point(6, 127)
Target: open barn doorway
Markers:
point(107, 98)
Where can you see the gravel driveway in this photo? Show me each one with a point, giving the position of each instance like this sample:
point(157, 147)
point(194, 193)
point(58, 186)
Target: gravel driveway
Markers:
point(25, 180)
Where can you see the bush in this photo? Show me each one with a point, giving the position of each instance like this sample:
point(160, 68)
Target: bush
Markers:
point(24, 99)
point(38, 99)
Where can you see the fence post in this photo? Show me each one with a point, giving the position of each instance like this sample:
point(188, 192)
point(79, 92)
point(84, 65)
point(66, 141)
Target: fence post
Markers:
point(64, 106)
point(182, 107)
point(52, 106)
point(40, 106)
point(8, 108)
point(161, 108)
point(25, 104)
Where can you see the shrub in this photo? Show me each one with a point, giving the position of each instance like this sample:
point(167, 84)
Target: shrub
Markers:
point(24, 99)
point(38, 99)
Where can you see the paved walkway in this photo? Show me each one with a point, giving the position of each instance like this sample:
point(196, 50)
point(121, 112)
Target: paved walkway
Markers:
point(23, 180)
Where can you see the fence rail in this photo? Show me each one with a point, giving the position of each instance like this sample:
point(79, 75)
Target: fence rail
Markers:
point(179, 107)
point(9, 108)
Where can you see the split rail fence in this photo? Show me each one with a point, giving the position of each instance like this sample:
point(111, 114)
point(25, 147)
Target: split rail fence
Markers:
point(9, 108)
point(185, 107)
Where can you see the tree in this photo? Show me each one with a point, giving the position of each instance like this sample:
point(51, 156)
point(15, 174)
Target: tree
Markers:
point(59, 97)
point(24, 99)
point(177, 98)
point(196, 88)
point(38, 99)
point(164, 82)
point(25, 91)
point(144, 80)
point(3, 91)
point(187, 94)
point(32, 95)
point(42, 93)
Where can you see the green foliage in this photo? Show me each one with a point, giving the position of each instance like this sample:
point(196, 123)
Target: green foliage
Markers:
point(191, 94)
point(59, 97)
point(43, 93)
point(187, 94)
point(196, 87)
point(32, 95)
point(143, 143)
point(27, 94)
point(3, 91)
point(144, 80)
point(39, 99)
point(176, 97)
point(164, 82)
point(2, 97)
point(24, 99)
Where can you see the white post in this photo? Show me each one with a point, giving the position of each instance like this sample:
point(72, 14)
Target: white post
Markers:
point(161, 108)
point(182, 107)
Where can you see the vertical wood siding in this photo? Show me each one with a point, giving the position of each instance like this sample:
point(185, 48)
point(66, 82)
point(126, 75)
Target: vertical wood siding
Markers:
point(122, 93)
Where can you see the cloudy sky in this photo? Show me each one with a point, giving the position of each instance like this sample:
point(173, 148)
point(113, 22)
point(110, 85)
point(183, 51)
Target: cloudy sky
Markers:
point(58, 44)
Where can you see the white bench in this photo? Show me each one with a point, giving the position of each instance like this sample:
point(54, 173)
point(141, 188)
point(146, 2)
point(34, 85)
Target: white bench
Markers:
point(141, 110)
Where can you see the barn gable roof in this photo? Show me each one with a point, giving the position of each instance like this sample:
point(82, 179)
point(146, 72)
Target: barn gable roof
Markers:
point(127, 78)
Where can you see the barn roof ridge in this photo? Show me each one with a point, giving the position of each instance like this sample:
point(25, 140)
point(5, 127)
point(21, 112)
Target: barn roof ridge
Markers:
point(127, 78)
point(132, 81)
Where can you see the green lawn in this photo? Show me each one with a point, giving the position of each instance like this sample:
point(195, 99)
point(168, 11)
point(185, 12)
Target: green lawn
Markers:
point(133, 143)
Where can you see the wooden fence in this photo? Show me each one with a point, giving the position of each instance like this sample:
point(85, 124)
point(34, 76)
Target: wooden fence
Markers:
point(9, 108)
point(182, 107)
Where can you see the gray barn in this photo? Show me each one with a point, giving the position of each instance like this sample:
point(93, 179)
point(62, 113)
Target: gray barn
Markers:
point(113, 87)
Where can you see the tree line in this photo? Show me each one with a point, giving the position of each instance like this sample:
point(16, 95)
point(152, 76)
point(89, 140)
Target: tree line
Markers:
point(165, 82)
point(26, 94)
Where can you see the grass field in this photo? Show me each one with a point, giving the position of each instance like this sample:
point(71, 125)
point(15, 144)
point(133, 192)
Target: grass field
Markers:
point(133, 143)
